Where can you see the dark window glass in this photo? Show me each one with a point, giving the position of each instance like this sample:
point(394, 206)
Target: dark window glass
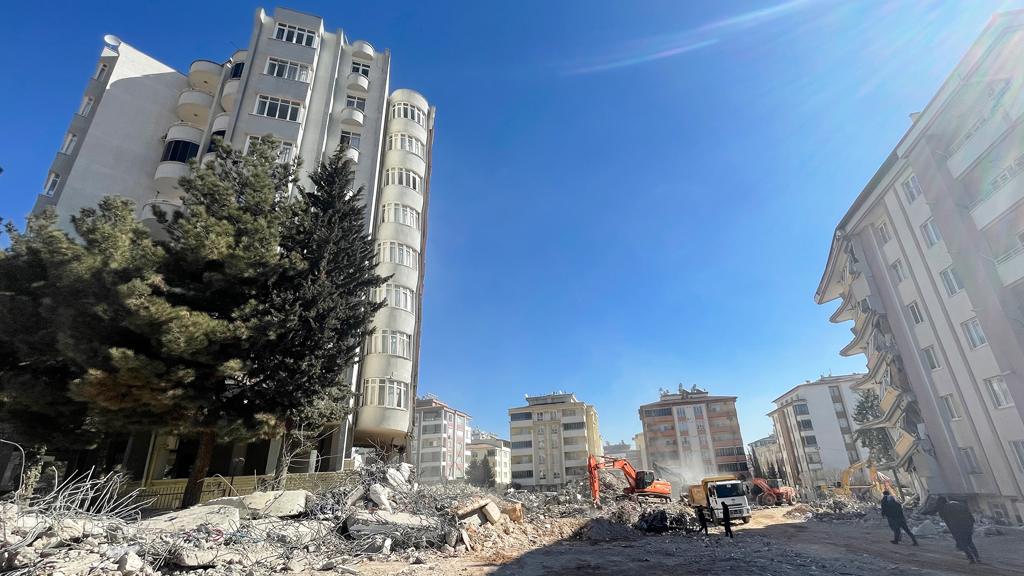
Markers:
point(179, 151)
point(217, 134)
point(236, 70)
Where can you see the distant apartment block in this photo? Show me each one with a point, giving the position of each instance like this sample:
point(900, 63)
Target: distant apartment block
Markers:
point(497, 451)
point(641, 447)
point(441, 439)
point(928, 265)
point(312, 90)
point(766, 455)
point(624, 450)
point(551, 438)
point(815, 432)
point(690, 434)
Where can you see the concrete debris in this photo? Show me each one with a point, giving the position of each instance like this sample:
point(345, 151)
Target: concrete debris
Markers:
point(927, 528)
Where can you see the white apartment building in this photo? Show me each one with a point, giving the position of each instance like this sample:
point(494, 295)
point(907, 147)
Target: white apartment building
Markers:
point(766, 454)
point(312, 89)
point(815, 431)
point(441, 441)
point(551, 438)
point(641, 447)
point(690, 434)
point(928, 263)
point(497, 451)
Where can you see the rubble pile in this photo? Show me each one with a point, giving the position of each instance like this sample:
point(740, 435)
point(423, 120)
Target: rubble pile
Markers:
point(832, 509)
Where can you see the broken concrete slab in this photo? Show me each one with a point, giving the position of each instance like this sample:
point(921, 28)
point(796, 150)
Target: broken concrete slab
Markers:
point(206, 557)
point(293, 532)
point(381, 496)
point(471, 508)
point(395, 478)
point(365, 522)
point(274, 503)
point(355, 496)
point(492, 512)
point(514, 512)
point(225, 518)
point(466, 539)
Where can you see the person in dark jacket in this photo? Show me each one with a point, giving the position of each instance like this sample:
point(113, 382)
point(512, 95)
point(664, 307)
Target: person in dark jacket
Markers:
point(960, 522)
point(893, 512)
point(703, 522)
point(726, 519)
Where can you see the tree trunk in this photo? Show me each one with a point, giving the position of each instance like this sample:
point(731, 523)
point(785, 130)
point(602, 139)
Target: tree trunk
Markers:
point(33, 463)
point(200, 466)
point(284, 457)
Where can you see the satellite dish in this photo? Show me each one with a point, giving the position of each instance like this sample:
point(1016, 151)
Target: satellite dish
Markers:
point(112, 41)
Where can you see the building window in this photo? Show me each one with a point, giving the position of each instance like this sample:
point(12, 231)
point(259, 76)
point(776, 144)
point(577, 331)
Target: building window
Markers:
point(931, 360)
point(911, 189)
point(804, 425)
point(930, 232)
point(101, 72)
point(898, 271)
point(883, 232)
point(970, 460)
point(408, 112)
point(218, 134)
point(568, 413)
point(361, 68)
point(284, 149)
point(356, 102)
point(1018, 451)
point(574, 426)
point(521, 444)
point(397, 253)
point(401, 214)
point(295, 35)
point(998, 392)
point(952, 407)
point(801, 410)
point(85, 108)
point(236, 70)
point(655, 412)
point(975, 336)
point(698, 412)
point(179, 151)
point(951, 280)
point(278, 108)
point(406, 142)
point(287, 69)
point(70, 139)
point(51, 184)
point(521, 416)
point(395, 296)
point(403, 177)
point(390, 342)
point(813, 458)
point(350, 139)
point(522, 474)
point(915, 312)
point(809, 441)
point(386, 392)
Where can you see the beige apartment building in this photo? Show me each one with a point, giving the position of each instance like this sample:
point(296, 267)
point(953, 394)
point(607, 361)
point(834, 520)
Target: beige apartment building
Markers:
point(440, 441)
point(551, 438)
point(641, 448)
point(690, 434)
point(928, 264)
point(497, 451)
point(766, 455)
point(815, 432)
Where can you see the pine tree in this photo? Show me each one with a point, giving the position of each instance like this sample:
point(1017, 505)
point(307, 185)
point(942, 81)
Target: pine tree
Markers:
point(875, 440)
point(486, 478)
point(319, 311)
point(473, 471)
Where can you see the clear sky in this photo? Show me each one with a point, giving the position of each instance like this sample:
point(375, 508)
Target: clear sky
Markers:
point(625, 195)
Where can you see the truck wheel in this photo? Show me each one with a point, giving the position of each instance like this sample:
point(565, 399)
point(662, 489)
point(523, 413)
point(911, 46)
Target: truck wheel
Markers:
point(746, 519)
point(768, 499)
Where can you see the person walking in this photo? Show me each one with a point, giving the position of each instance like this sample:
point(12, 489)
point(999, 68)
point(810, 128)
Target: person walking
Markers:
point(703, 521)
point(726, 520)
point(893, 512)
point(960, 521)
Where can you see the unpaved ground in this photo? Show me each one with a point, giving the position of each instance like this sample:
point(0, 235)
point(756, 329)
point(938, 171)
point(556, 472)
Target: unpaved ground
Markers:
point(771, 545)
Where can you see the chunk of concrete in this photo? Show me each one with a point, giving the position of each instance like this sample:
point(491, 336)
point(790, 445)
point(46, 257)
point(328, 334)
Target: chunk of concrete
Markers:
point(293, 532)
point(78, 528)
point(471, 508)
point(466, 540)
point(355, 496)
point(380, 495)
point(926, 528)
point(277, 503)
point(365, 522)
point(206, 557)
point(514, 512)
point(222, 517)
point(129, 564)
point(492, 512)
point(396, 480)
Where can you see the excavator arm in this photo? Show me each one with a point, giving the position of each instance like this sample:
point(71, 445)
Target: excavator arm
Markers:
point(594, 465)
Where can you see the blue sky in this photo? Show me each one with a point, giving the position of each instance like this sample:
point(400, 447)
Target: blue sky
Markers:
point(625, 196)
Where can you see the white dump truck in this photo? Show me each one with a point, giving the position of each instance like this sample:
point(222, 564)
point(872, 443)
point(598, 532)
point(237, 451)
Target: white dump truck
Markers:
point(707, 498)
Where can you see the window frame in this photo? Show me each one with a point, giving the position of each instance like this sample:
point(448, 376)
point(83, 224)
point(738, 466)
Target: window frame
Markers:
point(302, 72)
point(1017, 447)
point(296, 31)
point(69, 144)
point(385, 393)
point(970, 458)
point(930, 358)
point(101, 71)
point(950, 280)
point(394, 252)
point(85, 108)
point(354, 139)
point(403, 214)
point(52, 183)
point(998, 393)
point(951, 406)
point(930, 233)
point(280, 104)
point(915, 313)
point(357, 102)
point(404, 177)
point(407, 111)
point(884, 234)
point(898, 270)
point(912, 189)
point(407, 143)
point(285, 149)
point(394, 295)
point(361, 68)
point(974, 334)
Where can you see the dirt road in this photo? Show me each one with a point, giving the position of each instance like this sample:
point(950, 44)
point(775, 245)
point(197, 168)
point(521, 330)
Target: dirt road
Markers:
point(771, 545)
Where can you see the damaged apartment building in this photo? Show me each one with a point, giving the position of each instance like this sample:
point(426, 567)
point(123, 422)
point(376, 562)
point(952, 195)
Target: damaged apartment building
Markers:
point(313, 90)
point(928, 265)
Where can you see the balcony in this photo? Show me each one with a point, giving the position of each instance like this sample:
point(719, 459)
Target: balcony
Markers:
point(204, 75)
point(1010, 266)
point(221, 121)
point(194, 107)
point(1002, 193)
point(184, 131)
point(148, 215)
point(363, 50)
point(981, 135)
point(351, 154)
point(352, 117)
point(230, 94)
point(904, 447)
point(357, 83)
point(167, 176)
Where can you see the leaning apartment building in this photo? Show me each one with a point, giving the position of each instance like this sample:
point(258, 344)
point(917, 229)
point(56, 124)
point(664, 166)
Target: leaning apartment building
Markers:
point(311, 89)
point(928, 264)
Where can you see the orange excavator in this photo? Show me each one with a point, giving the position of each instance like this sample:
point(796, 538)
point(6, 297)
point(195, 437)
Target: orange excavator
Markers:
point(773, 492)
point(642, 483)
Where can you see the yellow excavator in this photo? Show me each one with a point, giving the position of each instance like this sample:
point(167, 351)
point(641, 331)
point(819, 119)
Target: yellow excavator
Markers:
point(878, 482)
